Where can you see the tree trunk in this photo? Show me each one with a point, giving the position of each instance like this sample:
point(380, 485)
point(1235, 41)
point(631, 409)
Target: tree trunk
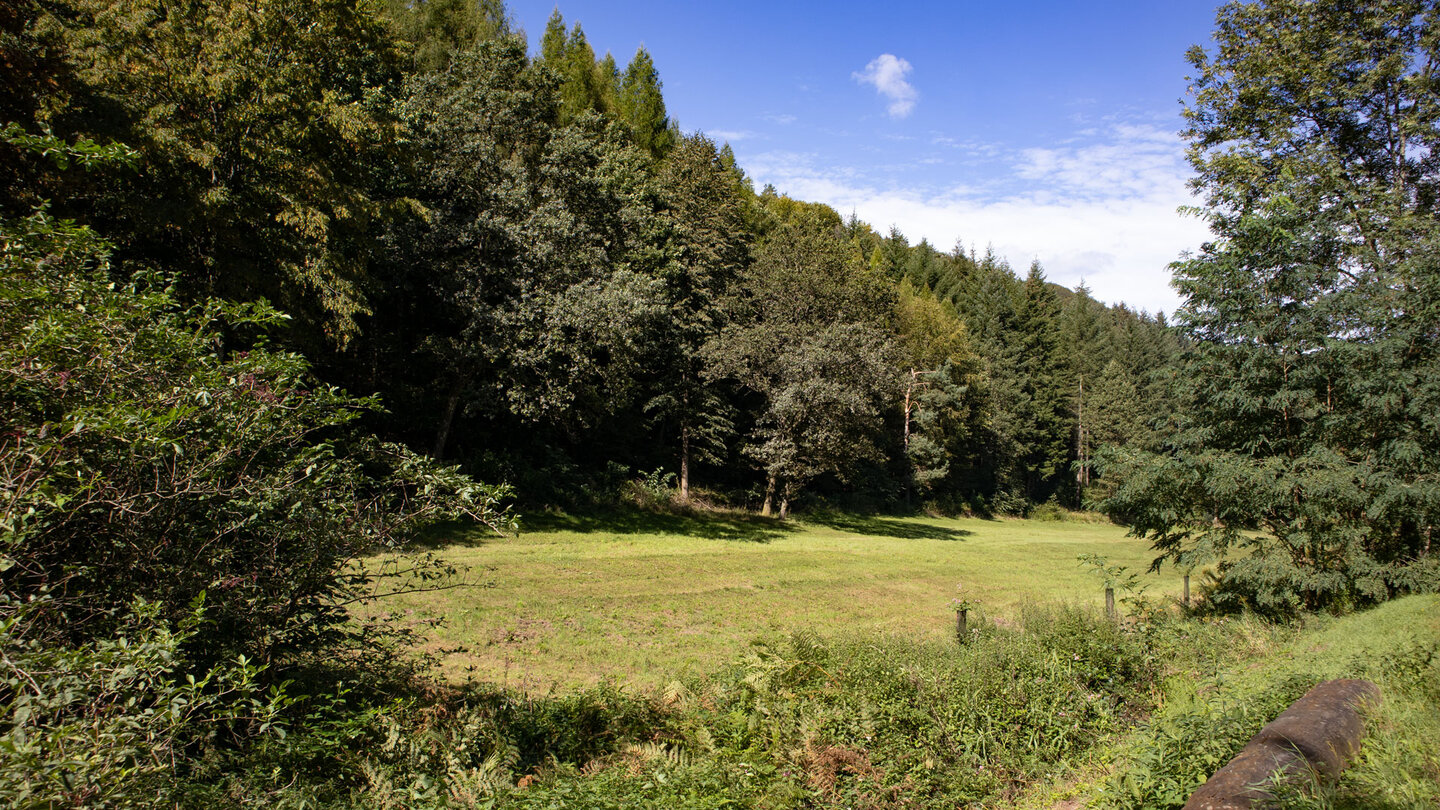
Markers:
point(784, 507)
point(909, 386)
point(684, 463)
point(769, 495)
point(443, 436)
point(1082, 475)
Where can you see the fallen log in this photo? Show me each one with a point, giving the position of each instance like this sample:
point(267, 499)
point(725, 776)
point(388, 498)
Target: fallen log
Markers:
point(1312, 741)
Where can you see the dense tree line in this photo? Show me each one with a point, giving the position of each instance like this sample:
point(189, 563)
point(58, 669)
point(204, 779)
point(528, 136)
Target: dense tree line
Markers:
point(520, 254)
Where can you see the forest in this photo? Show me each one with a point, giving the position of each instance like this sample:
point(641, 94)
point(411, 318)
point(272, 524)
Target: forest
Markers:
point(288, 284)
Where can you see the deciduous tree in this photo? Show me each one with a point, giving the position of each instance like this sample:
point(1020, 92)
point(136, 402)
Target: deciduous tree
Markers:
point(1312, 378)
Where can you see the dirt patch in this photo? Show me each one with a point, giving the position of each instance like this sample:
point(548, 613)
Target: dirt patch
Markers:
point(524, 630)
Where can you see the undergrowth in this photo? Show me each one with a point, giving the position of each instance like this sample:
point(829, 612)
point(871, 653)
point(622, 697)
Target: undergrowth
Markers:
point(806, 721)
point(1205, 722)
point(801, 721)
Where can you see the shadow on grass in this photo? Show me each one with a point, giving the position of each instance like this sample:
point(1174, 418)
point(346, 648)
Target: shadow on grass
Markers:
point(879, 526)
point(451, 533)
point(731, 527)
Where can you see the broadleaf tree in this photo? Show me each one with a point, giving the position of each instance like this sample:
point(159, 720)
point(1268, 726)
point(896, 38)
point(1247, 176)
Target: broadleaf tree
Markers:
point(1308, 462)
point(810, 334)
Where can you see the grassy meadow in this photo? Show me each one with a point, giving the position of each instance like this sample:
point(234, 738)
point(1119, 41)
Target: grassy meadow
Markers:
point(640, 598)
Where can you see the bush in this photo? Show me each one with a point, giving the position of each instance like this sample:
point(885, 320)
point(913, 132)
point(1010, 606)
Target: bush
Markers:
point(105, 724)
point(145, 457)
point(879, 722)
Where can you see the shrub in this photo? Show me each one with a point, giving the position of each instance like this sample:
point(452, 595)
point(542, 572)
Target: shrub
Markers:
point(875, 722)
point(104, 724)
point(144, 456)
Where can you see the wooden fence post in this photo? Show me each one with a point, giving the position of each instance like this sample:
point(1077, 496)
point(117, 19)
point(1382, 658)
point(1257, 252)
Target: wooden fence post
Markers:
point(1110, 604)
point(962, 619)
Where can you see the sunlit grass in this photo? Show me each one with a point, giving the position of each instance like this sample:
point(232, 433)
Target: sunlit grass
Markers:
point(641, 598)
point(1393, 645)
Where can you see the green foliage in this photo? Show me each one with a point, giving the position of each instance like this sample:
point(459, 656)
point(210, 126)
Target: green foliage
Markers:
point(435, 30)
point(265, 144)
point(940, 407)
point(106, 723)
point(144, 458)
point(800, 722)
point(1044, 418)
point(1212, 707)
point(822, 364)
point(537, 300)
point(82, 151)
point(1305, 456)
point(705, 246)
point(1195, 737)
point(642, 107)
point(1113, 576)
point(880, 722)
point(656, 486)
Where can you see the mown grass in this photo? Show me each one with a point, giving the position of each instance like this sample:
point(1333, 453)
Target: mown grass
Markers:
point(642, 597)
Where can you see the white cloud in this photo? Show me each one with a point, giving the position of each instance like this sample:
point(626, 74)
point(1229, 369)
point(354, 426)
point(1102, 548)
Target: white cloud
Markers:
point(781, 119)
point(887, 74)
point(1103, 212)
point(731, 135)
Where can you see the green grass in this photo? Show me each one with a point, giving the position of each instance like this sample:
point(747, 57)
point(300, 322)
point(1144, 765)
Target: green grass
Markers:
point(642, 597)
point(1209, 712)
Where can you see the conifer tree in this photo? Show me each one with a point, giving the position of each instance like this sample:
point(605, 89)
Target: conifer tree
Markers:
point(554, 41)
point(643, 107)
point(707, 246)
point(938, 379)
point(1044, 429)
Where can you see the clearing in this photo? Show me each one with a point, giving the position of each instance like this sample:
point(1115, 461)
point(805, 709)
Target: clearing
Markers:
point(640, 598)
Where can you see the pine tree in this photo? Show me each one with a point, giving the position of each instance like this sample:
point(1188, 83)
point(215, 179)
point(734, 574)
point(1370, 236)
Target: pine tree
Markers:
point(938, 379)
point(642, 106)
point(579, 93)
point(554, 42)
point(707, 246)
point(1084, 342)
point(1044, 425)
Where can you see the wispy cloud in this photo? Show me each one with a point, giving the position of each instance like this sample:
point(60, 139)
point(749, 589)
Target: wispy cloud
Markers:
point(1102, 210)
point(781, 119)
point(886, 73)
point(732, 135)
point(1126, 161)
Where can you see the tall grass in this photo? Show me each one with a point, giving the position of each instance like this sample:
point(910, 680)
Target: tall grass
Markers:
point(1202, 724)
point(860, 720)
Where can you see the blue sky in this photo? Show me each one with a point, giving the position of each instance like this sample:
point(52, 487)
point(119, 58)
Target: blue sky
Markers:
point(1043, 129)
